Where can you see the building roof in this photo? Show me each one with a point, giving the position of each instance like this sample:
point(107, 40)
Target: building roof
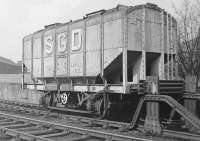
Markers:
point(7, 61)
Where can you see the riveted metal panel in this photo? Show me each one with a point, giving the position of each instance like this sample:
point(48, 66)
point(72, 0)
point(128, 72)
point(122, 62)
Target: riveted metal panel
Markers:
point(93, 63)
point(153, 30)
point(37, 47)
point(37, 67)
point(37, 54)
point(49, 67)
point(77, 26)
point(49, 43)
point(76, 58)
point(112, 34)
point(93, 38)
point(61, 65)
point(134, 32)
point(61, 43)
point(135, 21)
point(76, 64)
point(62, 46)
point(49, 53)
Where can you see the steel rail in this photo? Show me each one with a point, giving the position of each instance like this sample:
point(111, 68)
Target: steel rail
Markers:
point(21, 135)
point(177, 134)
point(182, 135)
point(89, 132)
point(108, 123)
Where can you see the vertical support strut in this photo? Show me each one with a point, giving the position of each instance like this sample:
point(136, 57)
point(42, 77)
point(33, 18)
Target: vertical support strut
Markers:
point(42, 54)
point(102, 44)
point(84, 51)
point(171, 49)
point(32, 67)
point(161, 62)
point(68, 51)
point(175, 50)
point(167, 47)
point(55, 56)
point(125, 44)
point(152, 123)
point(23, 64)
point(143, 61)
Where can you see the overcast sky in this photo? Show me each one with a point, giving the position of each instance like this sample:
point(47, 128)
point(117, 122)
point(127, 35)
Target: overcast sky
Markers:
point(21, 17)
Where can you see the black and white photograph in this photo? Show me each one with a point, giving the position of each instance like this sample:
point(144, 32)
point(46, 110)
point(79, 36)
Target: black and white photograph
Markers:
point(100, 70)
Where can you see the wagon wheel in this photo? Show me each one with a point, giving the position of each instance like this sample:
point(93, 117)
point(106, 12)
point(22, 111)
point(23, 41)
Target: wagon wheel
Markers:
point(64, 98)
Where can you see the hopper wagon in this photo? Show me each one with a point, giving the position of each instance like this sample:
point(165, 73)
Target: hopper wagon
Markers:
point(108, 64)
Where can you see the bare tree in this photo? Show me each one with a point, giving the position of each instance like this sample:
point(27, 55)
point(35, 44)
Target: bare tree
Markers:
point(188, 18)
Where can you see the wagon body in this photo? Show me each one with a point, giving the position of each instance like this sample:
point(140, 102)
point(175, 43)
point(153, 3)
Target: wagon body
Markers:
point(121, 45)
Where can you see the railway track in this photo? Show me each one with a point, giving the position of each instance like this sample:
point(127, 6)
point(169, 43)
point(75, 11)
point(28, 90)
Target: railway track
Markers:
point(23, 128)
point(33, 110)
point(33, 118)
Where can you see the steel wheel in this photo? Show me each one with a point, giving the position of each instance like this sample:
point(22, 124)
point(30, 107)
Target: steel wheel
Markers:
point(64, 98)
